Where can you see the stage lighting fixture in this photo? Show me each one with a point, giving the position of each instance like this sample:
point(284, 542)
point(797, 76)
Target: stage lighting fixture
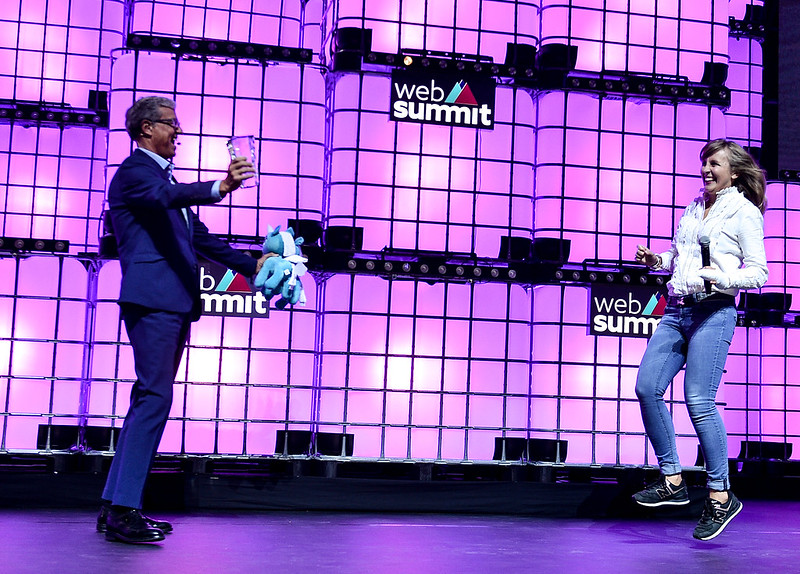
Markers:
point(98, 100)
point(212, 48)
point(334, 444)
point(510, 448)
point(520, 56)
point(57, 437)
point(343, 237)
point(764, 309)
point(556, 57)
point(515, 248)
point(774, 307)
point(76, 438)
point(714, 74)
point(550, 250)
point(108, 247)
point(547, 450)
point(350, 46)
point(753, 25)
point(293, 442)
point(309, 229)
point(352, 40)
point(19, 244)
point(765, 450)
point(33, 113)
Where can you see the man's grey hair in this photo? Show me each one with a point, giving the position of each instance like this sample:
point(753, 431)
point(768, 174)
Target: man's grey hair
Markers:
point(148, 108)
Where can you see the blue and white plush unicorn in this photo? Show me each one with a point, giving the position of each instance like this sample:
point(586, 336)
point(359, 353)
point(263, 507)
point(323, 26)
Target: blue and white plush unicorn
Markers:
point(280, 275)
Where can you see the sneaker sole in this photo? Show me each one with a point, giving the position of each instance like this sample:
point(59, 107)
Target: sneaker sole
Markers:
point(664, 503)
point(724, 525)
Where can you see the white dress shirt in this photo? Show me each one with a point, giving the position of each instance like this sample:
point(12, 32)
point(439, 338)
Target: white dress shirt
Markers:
point(735, 228)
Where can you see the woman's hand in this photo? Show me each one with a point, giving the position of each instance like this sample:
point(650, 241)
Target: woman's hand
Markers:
point(644, 255)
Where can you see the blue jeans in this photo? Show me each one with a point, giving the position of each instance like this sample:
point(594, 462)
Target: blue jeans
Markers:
point(697, 336)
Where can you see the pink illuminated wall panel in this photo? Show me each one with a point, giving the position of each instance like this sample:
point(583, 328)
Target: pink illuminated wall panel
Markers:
point(239, 382)
point(424, 371)
point(241, 379)
point(413, 370)
point(478, 27)
point(51, 183)
point(763, 399)
point(428, 187)
point(236, 20)
point(52, 179)
point(42, 345)
point(280, 105)
point(666, 38)
point(56, 52)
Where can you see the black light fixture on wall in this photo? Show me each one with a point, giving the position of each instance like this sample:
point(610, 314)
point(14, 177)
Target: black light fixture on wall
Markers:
point(349, 47)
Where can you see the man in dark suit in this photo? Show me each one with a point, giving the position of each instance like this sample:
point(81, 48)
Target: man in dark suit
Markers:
point(159, 237)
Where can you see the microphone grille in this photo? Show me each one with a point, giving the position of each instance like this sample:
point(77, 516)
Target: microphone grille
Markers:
point(704, 240)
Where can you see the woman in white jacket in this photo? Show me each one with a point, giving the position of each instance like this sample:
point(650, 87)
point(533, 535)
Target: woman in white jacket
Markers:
point(697, 326)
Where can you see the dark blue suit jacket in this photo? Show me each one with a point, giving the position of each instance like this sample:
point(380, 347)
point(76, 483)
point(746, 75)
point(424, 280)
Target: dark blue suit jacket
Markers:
point(157, 252)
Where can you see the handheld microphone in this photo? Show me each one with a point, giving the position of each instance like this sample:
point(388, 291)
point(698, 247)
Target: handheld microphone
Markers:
point(705, 255)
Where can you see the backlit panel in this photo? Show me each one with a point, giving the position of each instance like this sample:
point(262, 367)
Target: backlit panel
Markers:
point(280, 105)
point(43, 343)
point(52, 179)
point(426, 187)
point(477, 27)
point(666, 38)
point(424, 371)
point(413, 370)
point(258, 22)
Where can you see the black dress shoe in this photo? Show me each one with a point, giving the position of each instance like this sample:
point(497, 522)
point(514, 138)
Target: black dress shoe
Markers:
point(131, 527)
point(162, 525)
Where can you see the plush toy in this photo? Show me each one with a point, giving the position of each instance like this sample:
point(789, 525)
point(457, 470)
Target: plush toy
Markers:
point(280, 275)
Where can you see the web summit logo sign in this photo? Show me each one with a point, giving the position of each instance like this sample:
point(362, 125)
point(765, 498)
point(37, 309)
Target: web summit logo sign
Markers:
point(443, 99)
point(630, 311)
point(228, 294)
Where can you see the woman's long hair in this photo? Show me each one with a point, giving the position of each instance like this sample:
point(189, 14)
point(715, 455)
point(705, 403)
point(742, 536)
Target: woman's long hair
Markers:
point(750, 177)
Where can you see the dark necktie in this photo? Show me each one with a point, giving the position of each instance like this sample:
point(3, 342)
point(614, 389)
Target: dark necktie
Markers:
point(185, 210)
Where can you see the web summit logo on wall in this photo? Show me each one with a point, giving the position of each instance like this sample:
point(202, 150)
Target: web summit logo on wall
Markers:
point(227, 293)
point(444, 99)
point(628, 311)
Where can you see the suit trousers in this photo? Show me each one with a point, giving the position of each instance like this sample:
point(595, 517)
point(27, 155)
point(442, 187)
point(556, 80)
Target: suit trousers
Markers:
point(158, 339)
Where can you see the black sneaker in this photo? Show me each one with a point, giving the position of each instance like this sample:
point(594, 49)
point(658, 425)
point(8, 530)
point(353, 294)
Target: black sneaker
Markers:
point(716, 517)
point(663, 493)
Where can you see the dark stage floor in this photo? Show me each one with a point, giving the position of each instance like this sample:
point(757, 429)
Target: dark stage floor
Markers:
point(763, 538)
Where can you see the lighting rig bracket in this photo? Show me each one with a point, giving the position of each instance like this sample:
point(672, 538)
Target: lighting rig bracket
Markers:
point(222, 49)
point(541, 74)
point(658, 88)
point(433, 267)
point(752, 26)
point(28, 113)
point(789, 175)
point(22, 245)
